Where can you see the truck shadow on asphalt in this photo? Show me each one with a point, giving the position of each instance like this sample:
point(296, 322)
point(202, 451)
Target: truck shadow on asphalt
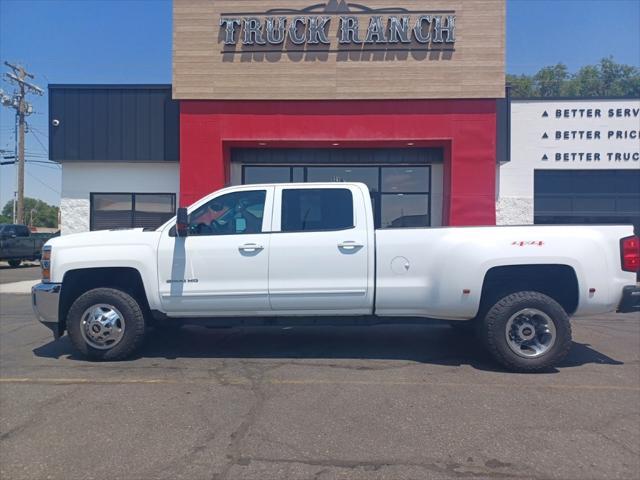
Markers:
point(430, 344)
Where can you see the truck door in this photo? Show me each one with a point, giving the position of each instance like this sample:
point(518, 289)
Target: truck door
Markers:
point(221, 267)
point(24, 246)
point(10, 243)
point(319, 254)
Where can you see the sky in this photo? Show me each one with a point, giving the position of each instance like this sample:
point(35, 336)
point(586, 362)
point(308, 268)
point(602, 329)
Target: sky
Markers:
point(129, 41)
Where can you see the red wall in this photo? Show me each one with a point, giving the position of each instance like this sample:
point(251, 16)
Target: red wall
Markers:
point(465, 128)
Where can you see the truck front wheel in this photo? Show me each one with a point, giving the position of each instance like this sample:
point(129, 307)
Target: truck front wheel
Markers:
point(527, 332)
point(106, 324)
point(14, 263)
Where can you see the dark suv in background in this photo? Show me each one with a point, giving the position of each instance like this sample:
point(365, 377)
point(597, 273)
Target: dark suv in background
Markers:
point(18, 244)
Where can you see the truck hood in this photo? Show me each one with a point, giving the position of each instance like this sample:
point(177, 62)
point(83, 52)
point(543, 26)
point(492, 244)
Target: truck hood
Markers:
point(131, 236)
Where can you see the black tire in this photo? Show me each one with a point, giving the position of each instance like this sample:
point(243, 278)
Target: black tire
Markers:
point(493, 332)
point(132, 314)
point(14, 263)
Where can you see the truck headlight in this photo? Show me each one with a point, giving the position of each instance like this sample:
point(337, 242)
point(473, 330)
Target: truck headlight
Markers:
point(45, 263)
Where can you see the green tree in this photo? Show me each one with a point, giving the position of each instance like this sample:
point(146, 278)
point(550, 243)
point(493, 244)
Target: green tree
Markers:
point(521, 86)
point(605, 79)
point(44, 215)
point(617, 79)
point(585, 83)
point(550, 81)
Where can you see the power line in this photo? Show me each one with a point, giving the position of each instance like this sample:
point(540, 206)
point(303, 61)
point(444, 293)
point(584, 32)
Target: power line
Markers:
point(29, 155)
point(43, 184)
point(33, 132)
point(32, 153)
point(40, 165)
point(45, 162)
point(37, 129)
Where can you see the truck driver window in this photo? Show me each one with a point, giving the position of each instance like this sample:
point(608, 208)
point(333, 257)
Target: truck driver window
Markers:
point(311, 209)
point(231, 214)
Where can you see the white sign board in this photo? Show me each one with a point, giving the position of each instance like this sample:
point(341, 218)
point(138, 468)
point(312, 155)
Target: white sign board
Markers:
point(567, 134)
point(576, 134)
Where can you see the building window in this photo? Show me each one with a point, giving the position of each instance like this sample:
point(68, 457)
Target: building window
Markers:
point(370, 176)
point(316, 210)
point(131, 210)
point(267, 175)
point(401, 195)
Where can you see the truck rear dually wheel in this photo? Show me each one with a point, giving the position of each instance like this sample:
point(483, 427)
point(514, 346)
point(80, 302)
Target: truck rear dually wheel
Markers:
point(527, 332)
point(14, 263)
point(106, 324)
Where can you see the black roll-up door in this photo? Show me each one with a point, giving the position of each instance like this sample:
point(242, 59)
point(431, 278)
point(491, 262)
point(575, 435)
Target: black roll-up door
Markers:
point(587, 196)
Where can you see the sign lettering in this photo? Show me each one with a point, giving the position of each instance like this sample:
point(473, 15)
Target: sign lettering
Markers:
point(606, 136)
point(402, 29)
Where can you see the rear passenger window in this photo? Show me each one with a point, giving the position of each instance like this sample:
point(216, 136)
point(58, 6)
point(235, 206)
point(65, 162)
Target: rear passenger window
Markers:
point(316, 209)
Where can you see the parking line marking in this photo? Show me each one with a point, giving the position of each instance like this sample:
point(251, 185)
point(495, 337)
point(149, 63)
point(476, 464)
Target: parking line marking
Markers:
point(242, 381)
point(455, 385)
point(85, 380)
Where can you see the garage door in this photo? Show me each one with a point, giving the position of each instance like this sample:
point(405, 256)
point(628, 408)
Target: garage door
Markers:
point(587, 196)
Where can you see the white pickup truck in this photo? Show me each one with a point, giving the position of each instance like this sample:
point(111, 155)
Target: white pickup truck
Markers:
point(301, 254)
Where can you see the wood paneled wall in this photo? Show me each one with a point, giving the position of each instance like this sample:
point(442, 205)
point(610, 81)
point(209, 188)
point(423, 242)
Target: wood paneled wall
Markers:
point(472, 67)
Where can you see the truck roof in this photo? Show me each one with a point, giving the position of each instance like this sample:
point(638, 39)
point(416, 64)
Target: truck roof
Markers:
point(303, 184)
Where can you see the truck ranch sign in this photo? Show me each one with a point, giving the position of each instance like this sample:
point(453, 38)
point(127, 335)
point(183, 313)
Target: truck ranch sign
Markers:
point(338, 49)
point(422, 29)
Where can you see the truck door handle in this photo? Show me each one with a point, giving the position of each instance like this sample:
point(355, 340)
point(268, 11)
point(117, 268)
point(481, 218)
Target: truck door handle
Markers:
point(349, 245)
point(250, 247)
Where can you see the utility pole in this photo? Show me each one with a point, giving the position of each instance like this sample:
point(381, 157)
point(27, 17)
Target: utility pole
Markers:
point(19, 77)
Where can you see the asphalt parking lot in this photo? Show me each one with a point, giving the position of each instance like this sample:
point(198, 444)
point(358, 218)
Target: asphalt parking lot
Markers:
point(316, 403)
point(26, 271)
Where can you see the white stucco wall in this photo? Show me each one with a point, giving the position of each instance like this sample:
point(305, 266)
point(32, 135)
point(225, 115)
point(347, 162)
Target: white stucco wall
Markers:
point(80, 179)
point(573, 127)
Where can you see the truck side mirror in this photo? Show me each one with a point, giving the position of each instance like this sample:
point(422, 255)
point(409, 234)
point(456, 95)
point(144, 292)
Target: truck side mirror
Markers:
point(182, 222)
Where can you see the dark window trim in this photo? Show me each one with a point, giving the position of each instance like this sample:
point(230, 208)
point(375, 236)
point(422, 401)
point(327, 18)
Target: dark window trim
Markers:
point(503, 127)
point(321, 230)
point(305, 166)
point(110, 86)
point(133, 204)
point(172, 231)
point(377, 212)
point(577, 99)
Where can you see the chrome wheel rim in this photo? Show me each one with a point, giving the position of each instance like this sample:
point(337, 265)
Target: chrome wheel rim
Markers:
point(102, 326)
point(530, 333)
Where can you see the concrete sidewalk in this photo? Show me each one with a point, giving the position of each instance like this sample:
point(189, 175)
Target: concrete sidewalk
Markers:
point(18, 287)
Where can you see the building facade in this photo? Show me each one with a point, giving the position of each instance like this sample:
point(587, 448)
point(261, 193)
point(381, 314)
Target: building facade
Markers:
point(408, 98)
point(401, 96)
point(571, 161)
point(119, 148)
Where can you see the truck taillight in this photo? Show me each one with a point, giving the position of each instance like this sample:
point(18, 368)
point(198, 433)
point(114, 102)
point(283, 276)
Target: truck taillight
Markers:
point(45, 263)
point(630, 254)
